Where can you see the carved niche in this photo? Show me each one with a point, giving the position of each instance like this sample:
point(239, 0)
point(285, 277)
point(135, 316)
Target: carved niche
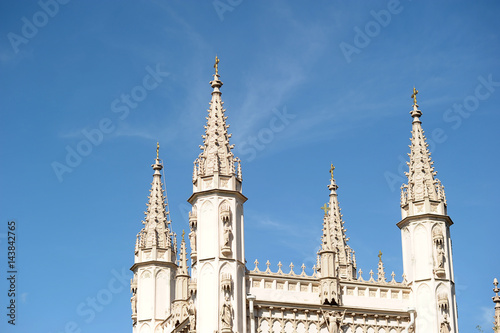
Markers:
point(226, 316)
point(193, 224)
point(439, 253)
point(133, 299)
point(225, 216)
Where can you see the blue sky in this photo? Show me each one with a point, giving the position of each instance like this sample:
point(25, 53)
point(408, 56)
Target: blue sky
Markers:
point(347, 96)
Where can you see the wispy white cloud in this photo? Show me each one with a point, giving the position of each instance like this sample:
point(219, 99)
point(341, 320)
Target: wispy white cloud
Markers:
point(486, 317)
point(129, 130)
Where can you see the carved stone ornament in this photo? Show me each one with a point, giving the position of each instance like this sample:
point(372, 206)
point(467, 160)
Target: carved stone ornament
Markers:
point(329, 291)
point(333, 321)
point(192, 243)
point(437, 236)
point(227, 283)
point(193, 223)
point(444, 327)
point(438, 240)
point(192, 316)
point(193, 287)
point(443, 304)
point(133, 299)
point(226, 316)
point(133, 304)
point(225, 215)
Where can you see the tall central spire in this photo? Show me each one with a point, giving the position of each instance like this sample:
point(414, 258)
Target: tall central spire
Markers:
point(422, 185)
point(216, 155)
point(218, 281)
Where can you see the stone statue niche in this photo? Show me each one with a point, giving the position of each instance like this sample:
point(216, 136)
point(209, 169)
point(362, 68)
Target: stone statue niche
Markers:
point(133, 299)
point(225, 215)
point(439, 254)
point(444, 326)
point(192, 316)
point(193, 223)
point(226, 316)
point(444, 307)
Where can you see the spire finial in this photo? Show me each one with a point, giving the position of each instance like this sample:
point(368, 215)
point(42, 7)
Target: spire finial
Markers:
point(380, 255)
point(332, 168)
point(157, 150)
point(496, 300)
point(216, 65)
point(183, 233)
point(414, 96)
point(496, 290)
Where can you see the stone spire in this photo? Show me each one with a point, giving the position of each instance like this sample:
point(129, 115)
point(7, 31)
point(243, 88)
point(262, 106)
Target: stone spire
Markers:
point(496, 300)
point(334, 237)
point(182, 275)
point(216, 156)
point(182, 258)
point(423, 193)
point(156, 231)
point(380, 269)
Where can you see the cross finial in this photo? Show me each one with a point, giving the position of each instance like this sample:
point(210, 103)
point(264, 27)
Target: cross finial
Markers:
point(325, 209)
point(183, 233)
point(216, 65)
point(414, 96)
point(157, 150)
point(380, 255)
point(331, 170)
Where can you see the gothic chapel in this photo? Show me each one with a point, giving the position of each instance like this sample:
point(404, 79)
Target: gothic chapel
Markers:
point(219, 294)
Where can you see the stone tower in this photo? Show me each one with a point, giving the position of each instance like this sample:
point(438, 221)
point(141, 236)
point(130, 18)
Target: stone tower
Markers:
point(154, 265)
point(216, 221)
point(425, 232)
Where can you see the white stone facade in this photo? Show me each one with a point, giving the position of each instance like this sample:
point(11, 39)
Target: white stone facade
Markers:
point(218, 293)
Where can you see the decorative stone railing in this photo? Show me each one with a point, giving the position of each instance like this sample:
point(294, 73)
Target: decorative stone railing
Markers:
point(316, 275)
point(291, 273)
